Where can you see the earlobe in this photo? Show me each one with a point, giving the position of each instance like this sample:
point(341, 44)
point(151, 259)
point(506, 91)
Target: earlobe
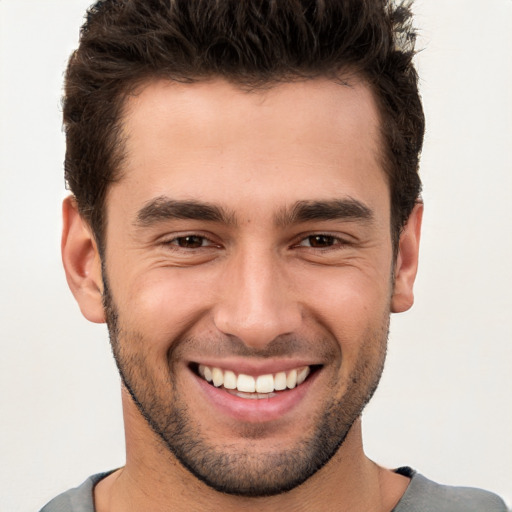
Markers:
point(82, 262)
point(406, 264)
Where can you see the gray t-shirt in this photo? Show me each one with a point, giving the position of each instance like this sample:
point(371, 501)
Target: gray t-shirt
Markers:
point(422, 495)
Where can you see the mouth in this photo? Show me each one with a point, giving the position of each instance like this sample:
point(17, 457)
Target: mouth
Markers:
point(255, 387)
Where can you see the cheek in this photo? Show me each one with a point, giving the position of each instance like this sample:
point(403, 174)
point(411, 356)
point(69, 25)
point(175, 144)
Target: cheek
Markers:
point(164, 303)
point(347, 296)
point(353, 307)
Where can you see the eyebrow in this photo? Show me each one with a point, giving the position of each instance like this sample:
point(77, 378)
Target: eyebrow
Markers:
point(164, 208)
point(333, 209)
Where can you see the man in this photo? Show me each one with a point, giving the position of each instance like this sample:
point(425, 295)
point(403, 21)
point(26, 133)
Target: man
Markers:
point(245, 217)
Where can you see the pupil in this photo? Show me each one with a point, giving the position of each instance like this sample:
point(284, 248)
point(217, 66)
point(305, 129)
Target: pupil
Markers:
point(320, 240)
point(190, 242)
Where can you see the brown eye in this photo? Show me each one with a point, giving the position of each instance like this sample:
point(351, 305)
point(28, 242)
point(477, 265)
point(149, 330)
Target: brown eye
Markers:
point(321, 241)
point(190, 242)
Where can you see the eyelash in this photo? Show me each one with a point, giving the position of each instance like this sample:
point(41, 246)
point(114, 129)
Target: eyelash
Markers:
point(174, 243)
point(335, 242)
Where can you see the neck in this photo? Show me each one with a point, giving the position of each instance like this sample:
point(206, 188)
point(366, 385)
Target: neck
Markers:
point(154, 480)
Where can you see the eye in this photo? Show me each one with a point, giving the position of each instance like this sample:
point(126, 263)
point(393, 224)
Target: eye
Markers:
point(190, 241)
point(320, 241)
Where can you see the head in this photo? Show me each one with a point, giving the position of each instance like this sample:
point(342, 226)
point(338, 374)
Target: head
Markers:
point(246, 181)
point(125, 44)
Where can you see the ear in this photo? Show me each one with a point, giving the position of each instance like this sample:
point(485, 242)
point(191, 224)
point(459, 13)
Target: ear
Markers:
point(82, 262)
point(406, 264)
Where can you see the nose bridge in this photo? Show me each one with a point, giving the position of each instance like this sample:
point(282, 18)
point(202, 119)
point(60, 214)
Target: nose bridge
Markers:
point(257, 303)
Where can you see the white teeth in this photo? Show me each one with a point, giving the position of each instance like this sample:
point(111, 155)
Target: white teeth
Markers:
point(205, 372)
point(218, 377)
point(291, 379)
point(265, 384)
point(249, 396)
point(247, 386)
point(246, 383)
point(229, 380)
point(302, 374)
point(280, 381)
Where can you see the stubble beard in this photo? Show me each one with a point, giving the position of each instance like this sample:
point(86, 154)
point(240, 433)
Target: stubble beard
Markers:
point(225, 468)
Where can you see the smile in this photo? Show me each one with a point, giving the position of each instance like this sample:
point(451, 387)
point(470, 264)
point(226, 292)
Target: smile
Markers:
point(254, 387)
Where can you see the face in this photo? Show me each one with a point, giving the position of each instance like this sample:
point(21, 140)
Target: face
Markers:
point(248, 274)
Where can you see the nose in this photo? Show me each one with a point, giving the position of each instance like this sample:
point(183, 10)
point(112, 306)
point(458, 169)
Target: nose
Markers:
point(258, 302)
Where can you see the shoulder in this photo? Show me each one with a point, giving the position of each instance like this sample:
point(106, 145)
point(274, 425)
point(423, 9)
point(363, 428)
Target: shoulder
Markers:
point(78, 499)
point(424, 495)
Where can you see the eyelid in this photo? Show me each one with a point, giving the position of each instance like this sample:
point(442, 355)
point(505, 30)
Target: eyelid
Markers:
point(171, 240)
point(174, 241)
point(339, 240)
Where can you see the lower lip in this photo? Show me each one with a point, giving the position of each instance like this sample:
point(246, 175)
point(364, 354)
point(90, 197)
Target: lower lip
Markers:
point(255, 410)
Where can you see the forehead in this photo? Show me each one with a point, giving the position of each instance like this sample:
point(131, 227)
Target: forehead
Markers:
point(212, 141)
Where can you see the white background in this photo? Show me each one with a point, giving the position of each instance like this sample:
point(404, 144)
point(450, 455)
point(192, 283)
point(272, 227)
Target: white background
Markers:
point(444, 405)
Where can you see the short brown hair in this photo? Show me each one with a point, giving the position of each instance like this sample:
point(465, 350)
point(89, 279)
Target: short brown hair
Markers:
point(252, 43)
